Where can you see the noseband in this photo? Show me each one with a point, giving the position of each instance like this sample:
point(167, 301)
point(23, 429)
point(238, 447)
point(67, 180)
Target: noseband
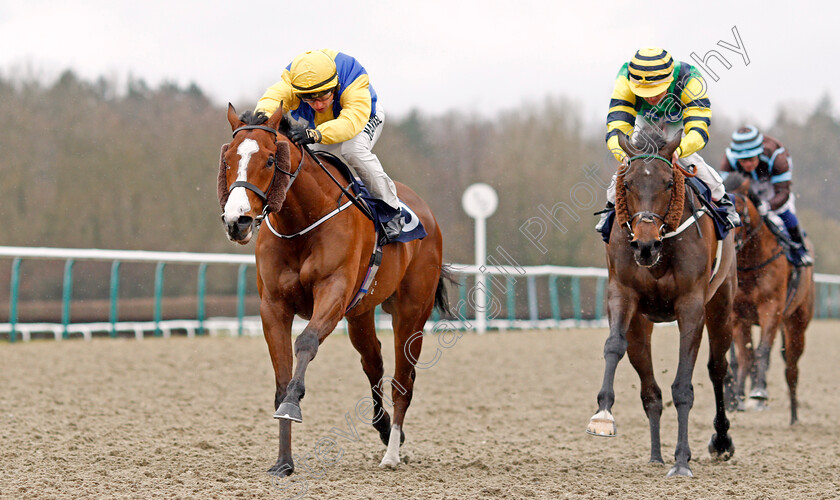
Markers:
point(273, 162)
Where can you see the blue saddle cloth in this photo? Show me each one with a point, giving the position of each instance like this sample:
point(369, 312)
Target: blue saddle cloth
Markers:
point(721, 230)
point(382, 212)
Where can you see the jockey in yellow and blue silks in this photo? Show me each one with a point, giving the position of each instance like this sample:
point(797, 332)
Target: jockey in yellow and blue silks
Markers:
point(652, 89)
point(768, 163)
point(330, 93)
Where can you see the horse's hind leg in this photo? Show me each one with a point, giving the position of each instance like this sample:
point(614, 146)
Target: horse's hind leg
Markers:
point(639, 353)
point(362, 332)
point(409, 319)
point(794, 345)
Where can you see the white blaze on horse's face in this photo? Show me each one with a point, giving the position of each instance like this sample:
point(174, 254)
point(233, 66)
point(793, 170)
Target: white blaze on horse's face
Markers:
point(237, 204)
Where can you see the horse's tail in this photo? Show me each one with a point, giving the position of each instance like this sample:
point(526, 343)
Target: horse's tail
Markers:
point(441, 294)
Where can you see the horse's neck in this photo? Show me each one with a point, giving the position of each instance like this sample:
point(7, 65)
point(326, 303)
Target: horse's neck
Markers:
point(760, 244)
point(312, 195)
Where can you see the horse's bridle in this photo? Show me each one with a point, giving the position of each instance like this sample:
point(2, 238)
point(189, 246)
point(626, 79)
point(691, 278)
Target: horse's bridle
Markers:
point(742, 237)
point(646, 215)
point(273, 162)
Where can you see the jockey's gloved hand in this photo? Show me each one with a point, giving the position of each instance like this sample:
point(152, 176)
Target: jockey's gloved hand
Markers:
point(763, 208)
point(302, 135)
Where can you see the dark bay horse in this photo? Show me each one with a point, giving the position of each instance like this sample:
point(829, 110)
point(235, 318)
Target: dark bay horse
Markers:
point(660, 270)
point(317, 273)
point(763, 299)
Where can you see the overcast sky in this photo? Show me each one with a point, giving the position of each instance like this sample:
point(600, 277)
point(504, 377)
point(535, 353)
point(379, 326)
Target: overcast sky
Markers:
point(480, 56)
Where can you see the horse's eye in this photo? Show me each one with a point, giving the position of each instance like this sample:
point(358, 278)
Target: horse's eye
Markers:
point(670, 184)
point(270, 162)
point(626, 185)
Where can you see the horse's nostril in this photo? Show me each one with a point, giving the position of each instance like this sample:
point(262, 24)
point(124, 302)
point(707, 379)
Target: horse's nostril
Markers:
point(657, 244)
point(634, 245)
point(244, 222)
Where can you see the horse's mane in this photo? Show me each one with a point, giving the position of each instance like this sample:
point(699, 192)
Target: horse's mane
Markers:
point(649, 138)
point(259, 118)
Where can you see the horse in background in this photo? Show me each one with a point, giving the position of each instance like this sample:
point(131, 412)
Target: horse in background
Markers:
point(655, 276)
point(767, 297)
point(314, 263)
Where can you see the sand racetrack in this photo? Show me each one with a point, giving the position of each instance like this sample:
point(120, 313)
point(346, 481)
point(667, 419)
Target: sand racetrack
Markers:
point(497, 416)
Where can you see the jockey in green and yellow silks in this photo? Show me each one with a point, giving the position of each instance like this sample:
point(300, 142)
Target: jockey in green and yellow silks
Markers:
point(669, 95)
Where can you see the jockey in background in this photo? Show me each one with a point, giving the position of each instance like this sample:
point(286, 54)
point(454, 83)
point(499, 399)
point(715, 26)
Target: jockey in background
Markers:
point(669, 95)
point(330, 91)
point(765, 160)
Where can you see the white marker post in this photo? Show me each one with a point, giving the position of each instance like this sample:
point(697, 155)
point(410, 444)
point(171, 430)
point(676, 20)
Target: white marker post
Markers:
point(479, 202)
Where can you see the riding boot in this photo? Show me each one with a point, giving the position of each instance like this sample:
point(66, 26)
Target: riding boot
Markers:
point(800, 252)
point(393, 228)
point(604, 216)
point(733, 220)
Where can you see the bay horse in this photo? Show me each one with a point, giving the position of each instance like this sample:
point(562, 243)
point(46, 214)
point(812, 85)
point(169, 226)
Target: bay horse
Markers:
point(664, 264)
point(764, 299)
point(319, 264)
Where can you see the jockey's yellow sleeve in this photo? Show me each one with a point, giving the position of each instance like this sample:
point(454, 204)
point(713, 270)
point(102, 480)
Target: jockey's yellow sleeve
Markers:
point(353, 106)
point(686, 101)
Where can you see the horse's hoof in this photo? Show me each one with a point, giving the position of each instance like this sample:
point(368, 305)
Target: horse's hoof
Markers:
point(721, 455)
point(601, 424)
point(281, 469)
point(389, 461)
point(289, 411)
point(656, 461)
point(759, 394)
point(742, 405)
point(680, 471)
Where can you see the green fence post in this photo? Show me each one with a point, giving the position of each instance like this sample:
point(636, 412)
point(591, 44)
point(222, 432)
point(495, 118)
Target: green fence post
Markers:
point(554, 296)
point(599, 298)
point(13, 298)
point(202, 281)
point(576, 296)
point(115, 293)
point(510, 287)
point(835, 302)
point(158, 296)
point(66, 297)
point(240, 296)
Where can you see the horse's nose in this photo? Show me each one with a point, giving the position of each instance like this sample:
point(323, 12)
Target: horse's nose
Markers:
point(243, 224)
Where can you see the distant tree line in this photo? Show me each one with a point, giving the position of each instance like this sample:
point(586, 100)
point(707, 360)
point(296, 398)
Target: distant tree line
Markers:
point(89, 165)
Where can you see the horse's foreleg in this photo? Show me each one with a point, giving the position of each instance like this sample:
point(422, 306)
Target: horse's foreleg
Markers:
point(327, 311)
point(742, 343)
point(277, 328)
point(362, 333)
point(621, 307)
point(769, 317)
point(690, 317)
point(639, 352)
point(719, 325)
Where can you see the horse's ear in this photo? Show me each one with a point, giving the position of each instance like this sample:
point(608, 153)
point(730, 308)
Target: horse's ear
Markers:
point(672, 145)
point(274, 120)
point(234, 120)
point(624, 144)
